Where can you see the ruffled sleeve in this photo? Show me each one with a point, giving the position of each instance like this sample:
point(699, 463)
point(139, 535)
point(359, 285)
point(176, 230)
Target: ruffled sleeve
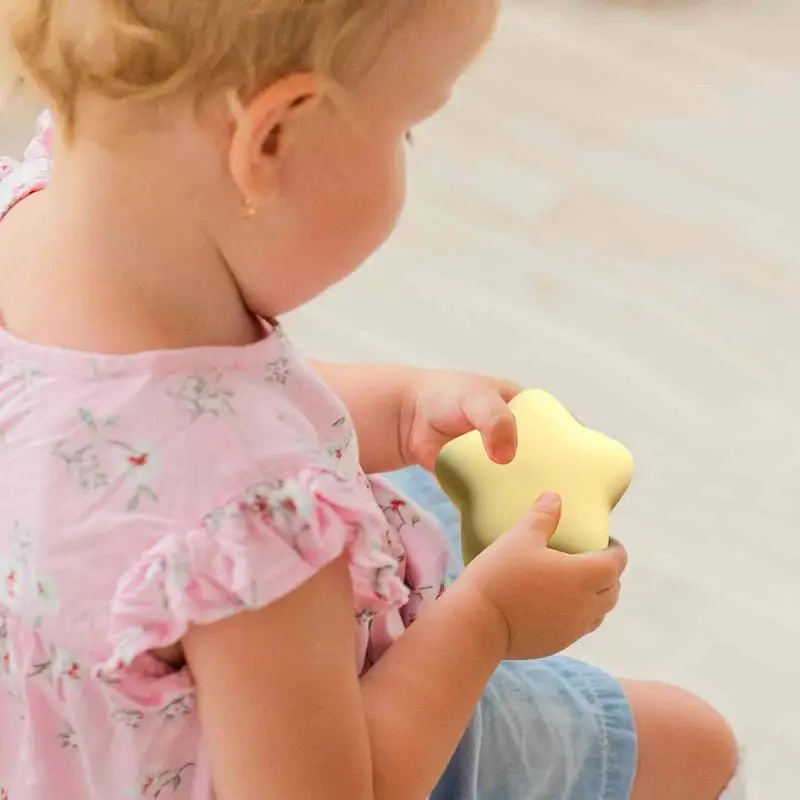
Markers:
point(247, 554)
point(18, 180)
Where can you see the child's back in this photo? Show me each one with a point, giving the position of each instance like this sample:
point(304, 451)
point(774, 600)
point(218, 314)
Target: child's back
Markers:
point(146, 492)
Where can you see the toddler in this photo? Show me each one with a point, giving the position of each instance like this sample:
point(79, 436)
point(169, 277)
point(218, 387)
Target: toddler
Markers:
point(202, 594)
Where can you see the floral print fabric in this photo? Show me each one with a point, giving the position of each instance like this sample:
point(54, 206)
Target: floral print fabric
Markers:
point(141, 494)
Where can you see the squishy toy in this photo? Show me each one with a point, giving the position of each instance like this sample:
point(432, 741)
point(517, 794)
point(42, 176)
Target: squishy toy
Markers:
point(555, 453)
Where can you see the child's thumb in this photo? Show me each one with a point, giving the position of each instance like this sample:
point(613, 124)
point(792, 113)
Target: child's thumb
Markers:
point(543, 519)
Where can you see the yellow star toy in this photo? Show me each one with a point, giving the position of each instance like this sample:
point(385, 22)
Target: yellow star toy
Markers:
point(555, 453)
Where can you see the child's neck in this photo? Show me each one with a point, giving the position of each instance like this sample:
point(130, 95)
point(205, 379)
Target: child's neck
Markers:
point(118, 255)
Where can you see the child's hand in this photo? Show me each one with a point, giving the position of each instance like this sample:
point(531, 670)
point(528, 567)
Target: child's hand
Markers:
point(440, 406)
point(543, 601)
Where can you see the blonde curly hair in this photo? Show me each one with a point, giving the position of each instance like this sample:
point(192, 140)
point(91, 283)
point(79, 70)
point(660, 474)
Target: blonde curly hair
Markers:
point(149, 50)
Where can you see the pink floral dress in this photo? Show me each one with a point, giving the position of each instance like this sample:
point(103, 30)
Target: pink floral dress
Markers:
point(141, 494)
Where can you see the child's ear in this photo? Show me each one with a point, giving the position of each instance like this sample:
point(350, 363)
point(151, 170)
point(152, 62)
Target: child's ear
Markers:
point(263, 128)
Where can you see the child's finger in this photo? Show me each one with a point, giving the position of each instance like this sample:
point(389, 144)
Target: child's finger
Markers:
point(490, 414)
point(608, 598)
point(508, 390)
point(542, 520)
point(602, 569)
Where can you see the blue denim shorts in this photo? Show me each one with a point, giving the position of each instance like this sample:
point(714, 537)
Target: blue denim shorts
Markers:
point(554, 729)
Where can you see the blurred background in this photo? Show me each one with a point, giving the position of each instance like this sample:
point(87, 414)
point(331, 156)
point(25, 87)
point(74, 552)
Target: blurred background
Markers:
point(610, 209)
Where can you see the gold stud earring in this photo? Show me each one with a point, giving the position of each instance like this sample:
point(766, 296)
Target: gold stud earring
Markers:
point(249, 208)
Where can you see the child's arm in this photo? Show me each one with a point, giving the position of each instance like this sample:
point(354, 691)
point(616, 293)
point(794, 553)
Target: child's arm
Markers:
point(405, 416)
point(285, 715)
point(374, 396)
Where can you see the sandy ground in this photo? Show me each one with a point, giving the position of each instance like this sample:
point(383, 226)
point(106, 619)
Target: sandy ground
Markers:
point(611, 209)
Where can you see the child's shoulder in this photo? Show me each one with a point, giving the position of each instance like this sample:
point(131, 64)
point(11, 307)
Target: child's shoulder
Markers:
point(180, 428)
point(217, 476)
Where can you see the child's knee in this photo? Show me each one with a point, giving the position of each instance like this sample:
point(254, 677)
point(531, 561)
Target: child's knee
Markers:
point(684, 744)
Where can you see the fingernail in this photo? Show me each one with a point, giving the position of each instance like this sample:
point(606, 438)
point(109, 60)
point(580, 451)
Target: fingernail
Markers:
point(550, 501)
point(505, 453)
